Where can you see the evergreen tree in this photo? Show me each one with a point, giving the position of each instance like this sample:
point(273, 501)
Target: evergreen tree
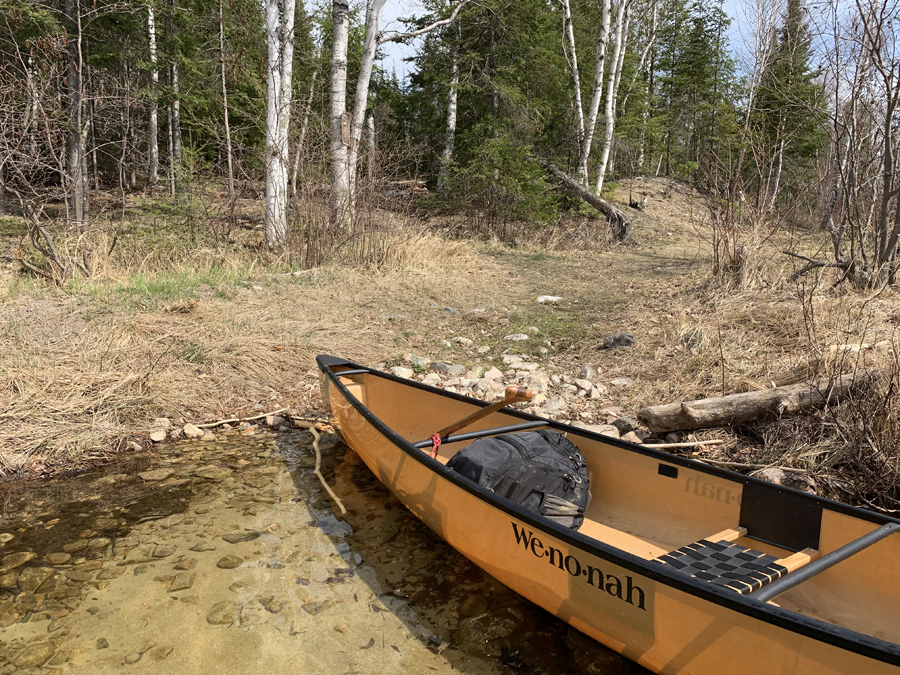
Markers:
point(789, 114)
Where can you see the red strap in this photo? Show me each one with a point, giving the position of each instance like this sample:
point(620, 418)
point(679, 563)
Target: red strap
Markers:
point(435, 444)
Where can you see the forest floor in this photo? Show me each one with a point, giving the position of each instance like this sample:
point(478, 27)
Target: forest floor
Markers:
point(88, 366)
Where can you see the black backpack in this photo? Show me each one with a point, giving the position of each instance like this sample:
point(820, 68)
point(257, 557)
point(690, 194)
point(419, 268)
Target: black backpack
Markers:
point(540, 470)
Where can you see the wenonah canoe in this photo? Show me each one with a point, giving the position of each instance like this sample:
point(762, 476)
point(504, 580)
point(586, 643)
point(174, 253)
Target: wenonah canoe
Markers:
point(679, 566)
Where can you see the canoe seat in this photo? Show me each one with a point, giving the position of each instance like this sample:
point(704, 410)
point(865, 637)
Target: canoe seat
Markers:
point(738, 568)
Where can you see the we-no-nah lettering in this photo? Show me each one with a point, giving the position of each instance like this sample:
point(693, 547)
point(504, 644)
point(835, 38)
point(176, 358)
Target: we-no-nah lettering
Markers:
point(613, 585)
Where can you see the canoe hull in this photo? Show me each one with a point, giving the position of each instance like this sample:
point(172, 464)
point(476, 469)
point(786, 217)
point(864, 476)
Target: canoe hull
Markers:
point(665, 629)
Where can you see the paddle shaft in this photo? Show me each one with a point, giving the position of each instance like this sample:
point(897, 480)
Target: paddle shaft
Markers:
point(513, 394)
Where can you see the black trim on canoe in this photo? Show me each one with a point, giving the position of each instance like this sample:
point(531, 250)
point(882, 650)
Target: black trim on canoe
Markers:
point(844, 638)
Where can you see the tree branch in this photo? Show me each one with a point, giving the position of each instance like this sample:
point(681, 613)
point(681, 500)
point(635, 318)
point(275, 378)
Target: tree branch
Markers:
point(397, 37)
point(813, 264)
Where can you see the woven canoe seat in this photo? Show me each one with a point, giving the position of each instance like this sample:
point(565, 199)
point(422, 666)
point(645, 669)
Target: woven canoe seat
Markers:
point(725, 564)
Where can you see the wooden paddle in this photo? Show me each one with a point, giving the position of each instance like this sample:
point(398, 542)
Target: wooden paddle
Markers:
point(513, 394)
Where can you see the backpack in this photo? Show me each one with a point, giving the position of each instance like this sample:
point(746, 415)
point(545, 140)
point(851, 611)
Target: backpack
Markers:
point(542, 471)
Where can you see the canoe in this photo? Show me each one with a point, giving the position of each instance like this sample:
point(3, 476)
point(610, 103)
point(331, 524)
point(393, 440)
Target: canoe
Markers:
point(679, 566)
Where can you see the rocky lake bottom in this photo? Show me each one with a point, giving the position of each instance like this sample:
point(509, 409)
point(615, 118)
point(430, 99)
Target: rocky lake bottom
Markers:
point(228, 555)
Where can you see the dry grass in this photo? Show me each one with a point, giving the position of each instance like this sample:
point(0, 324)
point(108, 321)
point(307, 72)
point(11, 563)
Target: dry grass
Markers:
point(200, 333)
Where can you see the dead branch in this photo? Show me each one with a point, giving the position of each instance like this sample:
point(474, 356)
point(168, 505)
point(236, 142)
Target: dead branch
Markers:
point(620, 225)
point(210, 425)
point(813, 264)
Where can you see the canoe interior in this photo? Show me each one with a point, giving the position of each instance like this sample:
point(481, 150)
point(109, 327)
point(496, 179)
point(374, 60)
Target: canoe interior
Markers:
point(641, 508)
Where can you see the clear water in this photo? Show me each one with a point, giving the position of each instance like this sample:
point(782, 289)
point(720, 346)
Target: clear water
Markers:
point(229, 556)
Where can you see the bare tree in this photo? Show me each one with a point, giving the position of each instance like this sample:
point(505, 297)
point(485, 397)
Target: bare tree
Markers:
point(623, 18)
point(229, 152)
point(280, 39)
point(153, 130)
point(572, 57)
point(597, 92)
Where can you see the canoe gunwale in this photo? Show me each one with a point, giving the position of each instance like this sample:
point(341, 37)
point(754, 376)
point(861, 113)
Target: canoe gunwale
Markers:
point(843, 638)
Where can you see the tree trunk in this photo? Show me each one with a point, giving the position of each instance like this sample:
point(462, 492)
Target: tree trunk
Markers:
point(2, 187)
point(373, 15)
point(75, 173)
point(280, 38)
point(304, 126)
point(619, 224)
point(596, 95)
point(153, 131)
point(372, 149)
point(450, 128)
point(752, 405)
point(170, 150)
point(573, 70)
point(340, 176)
point(612, 89)
point(229, 152)
point(175, 103)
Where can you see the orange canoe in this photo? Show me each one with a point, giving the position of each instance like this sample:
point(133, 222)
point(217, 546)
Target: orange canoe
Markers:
point(679, 566)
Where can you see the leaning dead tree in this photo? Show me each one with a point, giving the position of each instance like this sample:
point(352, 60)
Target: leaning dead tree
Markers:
point(752, 405)
point(620, 226)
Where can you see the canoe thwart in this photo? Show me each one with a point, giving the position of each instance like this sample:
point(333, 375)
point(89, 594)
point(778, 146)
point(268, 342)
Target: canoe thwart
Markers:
point(472, 435)
point(732, 534)
point(355, 371)
point(826, 561)
point(513, 394)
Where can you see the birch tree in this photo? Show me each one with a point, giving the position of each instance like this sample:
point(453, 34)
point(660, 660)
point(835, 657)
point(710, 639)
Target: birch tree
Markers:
point(596, 91)
point(280, 41)
point(153, 125)
point(623, 18)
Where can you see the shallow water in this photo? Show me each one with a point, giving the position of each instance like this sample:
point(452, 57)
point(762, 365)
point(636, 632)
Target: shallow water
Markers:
point(229, 556)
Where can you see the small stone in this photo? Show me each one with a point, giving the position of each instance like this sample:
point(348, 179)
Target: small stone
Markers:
point(161, 652)
point(190, 431)
point(32, 577)
point(483, 350)
point(418, 362)
point(222, 613)
point(34, 655)
point(229, 562)
point(586, 385)
point(516, 337)
point(493, 374)
point(157, 436)
point(13, 560)
point(587, 372)
point(276, 421)
point(215, 472)
point(59, 658)
point(597, 391)
point(548, 299)
point(133, 658)
point(462, 341)
point(604, 429)
point(208, 436)
point(6, 537)
point(58, 558)
point(474, 605)
point(75, 546)
point(80, 576)
point(182, 582)
point(625, 424)
point(10, 580)
point(111, 573)
point(202, 546)
point(186, 565)
point(238, 536)
point(621, 382)
point(617, 340)
point(454, 370)
point(673, 437)
point(402, 371)
point(537, 382)
point(102, 643)
point(632, 437)
point(156, 474)
point(163, 550)
point(432, 380)
point(342, 628)
point(163, 423)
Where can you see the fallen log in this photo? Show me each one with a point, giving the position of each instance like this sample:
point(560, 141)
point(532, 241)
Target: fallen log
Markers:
point(619, 224)
point(752, 405)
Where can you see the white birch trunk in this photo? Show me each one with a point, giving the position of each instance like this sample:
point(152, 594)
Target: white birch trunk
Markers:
point(280, 38)
point(76, 177)
point(596, 95)
point(450, 129)
point(372, 149)
point(153, 131)
point(573, 69)
point(340, 176)
point(612, 88)
point(176, 128)
point(229, 153)
point(373, 15)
